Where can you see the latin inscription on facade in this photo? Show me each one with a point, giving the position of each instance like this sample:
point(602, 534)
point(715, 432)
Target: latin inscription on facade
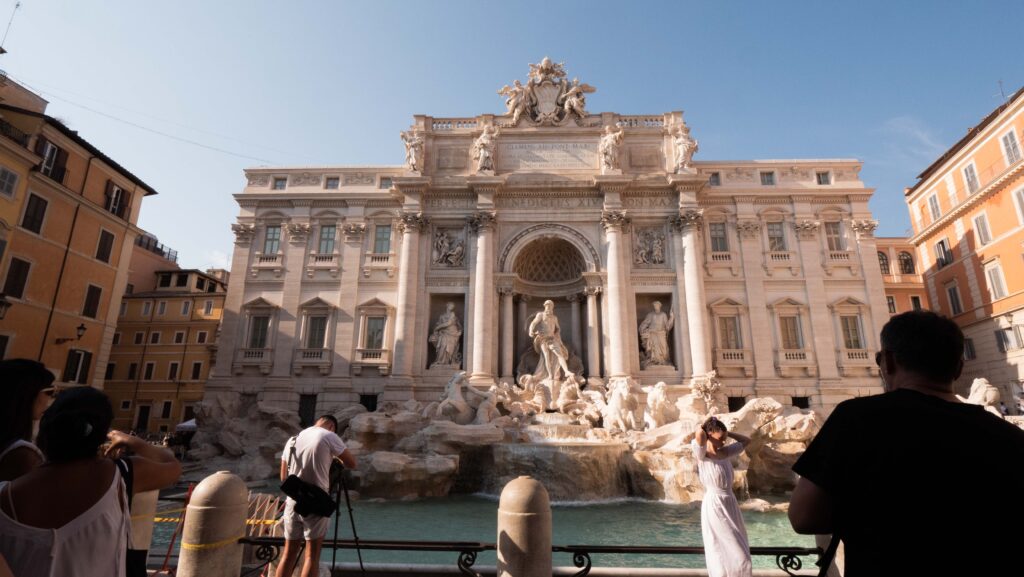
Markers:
point(550, 202)
point(547, 155)
point(649, 202)
point(463, 202)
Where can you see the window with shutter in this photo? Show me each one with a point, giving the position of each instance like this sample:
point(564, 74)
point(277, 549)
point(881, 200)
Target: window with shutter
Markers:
point(105, 246)
point(92, 301)
point(17, 278)
point(35, 211)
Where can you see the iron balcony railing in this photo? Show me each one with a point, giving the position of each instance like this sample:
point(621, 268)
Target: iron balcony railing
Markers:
point(788, 559)
point(10, 131)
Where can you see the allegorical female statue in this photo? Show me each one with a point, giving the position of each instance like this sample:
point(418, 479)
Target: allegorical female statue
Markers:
point(446, 338)
point(654, 337)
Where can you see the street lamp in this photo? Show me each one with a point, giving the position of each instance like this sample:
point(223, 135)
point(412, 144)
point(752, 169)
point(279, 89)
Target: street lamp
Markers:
point(4, 305)
point(80, 331)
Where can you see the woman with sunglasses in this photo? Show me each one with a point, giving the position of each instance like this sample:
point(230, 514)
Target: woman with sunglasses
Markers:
point(26, 389)
point(726, 547)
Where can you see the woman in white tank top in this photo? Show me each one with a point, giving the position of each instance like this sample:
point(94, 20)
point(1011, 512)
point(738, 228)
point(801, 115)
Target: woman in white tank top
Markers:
point(69, 517)
point(26, 389)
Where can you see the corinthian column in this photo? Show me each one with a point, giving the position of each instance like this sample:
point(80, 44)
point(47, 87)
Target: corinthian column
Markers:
point(408, 281)
point(507, 334)
point(483, 298)
point(593, 336)
point(614, 221)
point(688, 224)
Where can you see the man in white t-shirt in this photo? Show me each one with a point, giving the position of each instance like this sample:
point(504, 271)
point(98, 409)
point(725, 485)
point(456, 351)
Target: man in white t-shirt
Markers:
point(308, 456)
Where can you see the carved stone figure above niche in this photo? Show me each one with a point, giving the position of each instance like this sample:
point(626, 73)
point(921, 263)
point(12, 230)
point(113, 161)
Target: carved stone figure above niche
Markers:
point(449, 248)
point(649, 246)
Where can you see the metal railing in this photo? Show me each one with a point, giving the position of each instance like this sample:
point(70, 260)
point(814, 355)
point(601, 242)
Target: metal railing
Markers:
point(268, 549)
point(10, 131)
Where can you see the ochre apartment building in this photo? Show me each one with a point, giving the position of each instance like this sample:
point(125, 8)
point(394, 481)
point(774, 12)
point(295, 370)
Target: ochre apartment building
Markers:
point(164, 344)
point(69, 221)
point(967, 211)
point(904, 287)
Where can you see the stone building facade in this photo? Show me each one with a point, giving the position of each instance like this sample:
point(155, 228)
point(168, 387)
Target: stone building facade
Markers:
point(346, 280)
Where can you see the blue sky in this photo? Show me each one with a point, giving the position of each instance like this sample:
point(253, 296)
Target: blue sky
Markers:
point(301, 82)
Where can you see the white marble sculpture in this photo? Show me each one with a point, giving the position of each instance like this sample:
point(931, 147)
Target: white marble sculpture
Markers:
point(547, 341)
point(547, 99)
point(985, 394)
point(621, 407)
point(684, 146)
point(449, 250)
point(610, 147)
point(659, 410)
point(654, 337)
point(517, 98)
point(446, 339)
point(413, 150)
point(483, 149)
point(524, 400)
point(574, 101)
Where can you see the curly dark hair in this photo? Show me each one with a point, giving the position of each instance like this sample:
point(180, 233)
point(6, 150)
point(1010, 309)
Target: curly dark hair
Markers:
point(20, 383)
point(713, 425)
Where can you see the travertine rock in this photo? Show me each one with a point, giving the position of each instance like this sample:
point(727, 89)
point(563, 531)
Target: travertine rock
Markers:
point(395, 475)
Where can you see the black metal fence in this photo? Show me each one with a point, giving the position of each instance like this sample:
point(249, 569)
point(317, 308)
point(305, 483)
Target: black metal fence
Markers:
point(267, 549)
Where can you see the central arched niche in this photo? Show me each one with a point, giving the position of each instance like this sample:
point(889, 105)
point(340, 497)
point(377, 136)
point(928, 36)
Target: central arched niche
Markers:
point(549, 260)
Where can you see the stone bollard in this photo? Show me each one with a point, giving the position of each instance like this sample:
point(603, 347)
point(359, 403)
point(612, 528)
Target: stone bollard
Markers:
point(214, 522)
point(524, 529)
point(143, 511)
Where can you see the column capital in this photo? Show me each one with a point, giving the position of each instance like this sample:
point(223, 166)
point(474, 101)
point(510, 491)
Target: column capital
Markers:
point(244, 233)
point(748, 228)
point(412, 221)
point(614, 220)
point(687, 219)
point(354, 230)
point(573, 298)
point(483, 220)
point(298, 232)
point(864, 228)
point(592, 291)
point(806, 229)
point(506, 291)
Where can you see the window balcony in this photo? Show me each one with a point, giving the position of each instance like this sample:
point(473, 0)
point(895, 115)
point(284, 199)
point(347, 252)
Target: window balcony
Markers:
point(58, 174)
point(795, 363)
point(781, 260)
point(841, 259)
point(722, 260)
point(856, 362)
point(330, 262)
point(380, 261)
point(261, 358)
point(10, 131)
point(318, 358)
point(378, 358)
point(267, 262)
point(734, 362)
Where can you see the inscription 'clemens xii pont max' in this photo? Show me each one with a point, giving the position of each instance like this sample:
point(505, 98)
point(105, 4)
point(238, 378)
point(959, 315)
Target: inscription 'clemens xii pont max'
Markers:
point(543, 155)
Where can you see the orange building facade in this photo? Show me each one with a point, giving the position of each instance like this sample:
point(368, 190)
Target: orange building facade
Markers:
point(165, 342)
point(904, 287)
point(967, 212)
point(68, 228)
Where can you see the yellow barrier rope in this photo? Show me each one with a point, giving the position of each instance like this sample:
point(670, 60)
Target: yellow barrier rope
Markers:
point(209, 546)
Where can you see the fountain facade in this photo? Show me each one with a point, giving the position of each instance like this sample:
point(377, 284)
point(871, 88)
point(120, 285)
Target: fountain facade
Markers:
point(551, 276)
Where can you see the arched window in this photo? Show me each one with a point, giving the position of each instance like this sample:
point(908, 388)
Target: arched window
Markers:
point(883, 262)
point(906, 263)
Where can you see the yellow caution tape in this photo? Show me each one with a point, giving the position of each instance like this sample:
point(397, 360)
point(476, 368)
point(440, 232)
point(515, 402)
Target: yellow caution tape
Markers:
point(248, 522)
point(209, 546)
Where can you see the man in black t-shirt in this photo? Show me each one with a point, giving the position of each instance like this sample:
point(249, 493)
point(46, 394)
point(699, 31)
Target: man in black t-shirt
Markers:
point(914, 481)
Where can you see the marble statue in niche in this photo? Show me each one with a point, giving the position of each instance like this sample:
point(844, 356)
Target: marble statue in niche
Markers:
point(483, 148)
point(446, 339)
point(654, 337)
point(547, 341)
point(413, 150)
point(611, 144)
point(649, 247)
point(449, 248)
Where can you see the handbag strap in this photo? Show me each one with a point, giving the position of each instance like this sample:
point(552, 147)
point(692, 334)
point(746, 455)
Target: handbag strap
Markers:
point(128, 476)
point(830, 554)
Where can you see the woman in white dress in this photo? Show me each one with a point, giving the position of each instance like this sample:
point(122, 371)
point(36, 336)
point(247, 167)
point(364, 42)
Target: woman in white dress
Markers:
point(726, 548)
